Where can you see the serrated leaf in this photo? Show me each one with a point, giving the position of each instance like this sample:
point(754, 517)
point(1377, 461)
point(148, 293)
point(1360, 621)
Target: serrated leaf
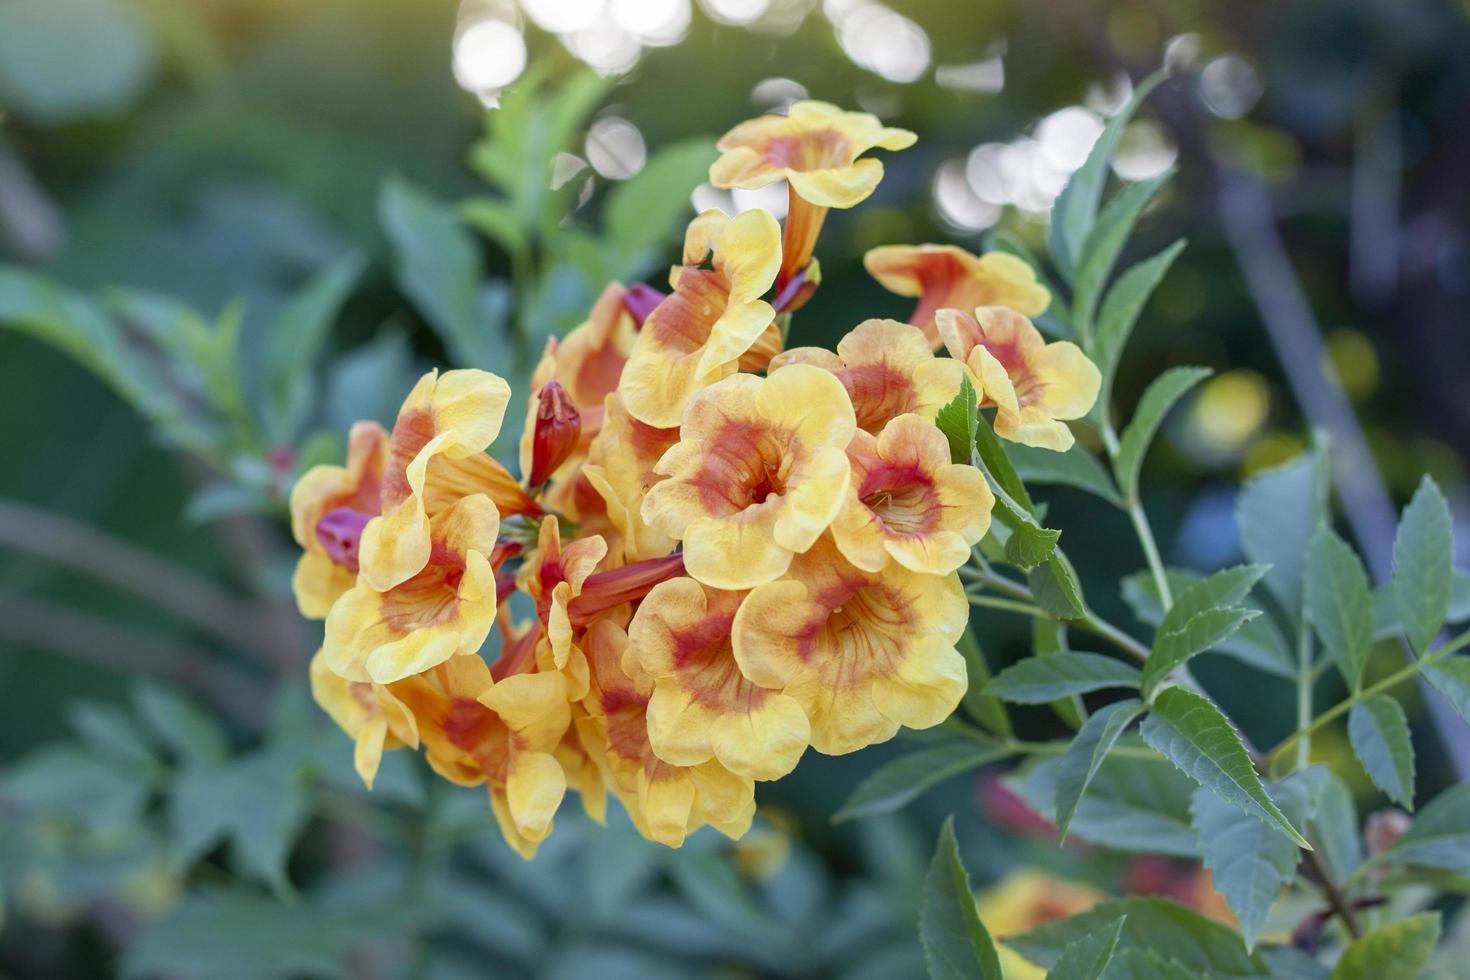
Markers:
point(1055, 588)
point(1074, 468)
point(1386, 615)
point(1339, 603)
point(1258, 642)
point(1133, 444)
point(1452, 679)
point(1029, 546)
point(1379, 732)
point(1193, 734)
point(957, 420)
point(1049, 637)
point(1163, 928)
point(895, 784)
point(1141, 964)
point(1120, 310)
point(1075, 211)
point(984, 708)
point(1106, 241)
point(1080, 763)
point(1422, 555)
point(1173, 648)
point(1037, 680)
point(997, 464)
point(956, 943)
point(1086, 957)
point(1226, 587)
point(1439, 837)
point(1277, 514)
point(1399, 951)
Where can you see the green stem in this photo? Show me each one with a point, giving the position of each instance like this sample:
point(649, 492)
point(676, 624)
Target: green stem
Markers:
point(1091, 623)
point(1061, 745)
point(1303, 693)
point(1151, 553)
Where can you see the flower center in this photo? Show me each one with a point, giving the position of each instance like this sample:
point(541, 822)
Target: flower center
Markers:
point(747, 466)
point(903, 499)
point(817, 150)
point(340, 533)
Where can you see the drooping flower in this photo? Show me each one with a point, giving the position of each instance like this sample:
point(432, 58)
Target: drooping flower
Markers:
point(344, 499)
point(946, 276)
point(908, 502)
point(702, 706)
point(502, 733)
point(369, 714)
point(620, 467)
point(887, 369)
point(862, 653)
point(445, 608)
point(713, 319)
point(666, 802)
point(1034, 385)
point(815, 149)
point(758, 474)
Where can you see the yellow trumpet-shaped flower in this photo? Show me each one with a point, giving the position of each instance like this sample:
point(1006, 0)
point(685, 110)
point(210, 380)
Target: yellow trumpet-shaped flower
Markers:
point(620, 467)
point(815, 149)
point(945, 276)
point(553, 576)
point(1034, 386)
point(329, 507)
point(504, 734)
point(444, 609)
point(666, 802)
point(862, 653)
point(714, 317)
point(887, 369)
point(907, 501)
point(702, 706)
point(758, 474)
point(369, 713)
point(1026, 900)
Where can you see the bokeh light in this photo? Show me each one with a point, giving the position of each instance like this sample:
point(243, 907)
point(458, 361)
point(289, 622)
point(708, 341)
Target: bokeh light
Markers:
point(1229, 86)
point(615, 148)
point(489, 54)
point(880, 39)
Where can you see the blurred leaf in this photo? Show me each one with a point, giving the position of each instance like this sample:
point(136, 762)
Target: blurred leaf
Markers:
point(369, 382)
point(987, 710)
point(1258, 642)
point(1105, 242)
point(66, 782)
point(956, 943)
point(1074, 468)
point(496, 220)
point(1120, 310)
point(1422, 554)
point(1398, 951)
point(181, 725)
point(1452, 679)
point(1161, 395)
point(220, 500)
point(65, 60)
point(1173, 648)
point(1439, 837)
point(1086, 957)
point(111, 734)
point(1075, 210)
point(295, 343)
point(1191, 732)
point(897, 783)
point(1380, 736)
point(958, 421)
point(1335, 827)
point(1339, 603)
point(1386, 614)
point(646, 211)
point(1089, 749)
point(1277, 513)
point(1055, 588)
point(1037, 680)
point(1154, 925)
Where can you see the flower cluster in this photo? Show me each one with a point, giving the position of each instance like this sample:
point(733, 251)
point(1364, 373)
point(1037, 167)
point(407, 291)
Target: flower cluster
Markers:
point(734, 551)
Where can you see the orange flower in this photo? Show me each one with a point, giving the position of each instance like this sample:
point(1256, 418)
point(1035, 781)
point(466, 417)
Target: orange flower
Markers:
point(713, 319)
point(620, 467)
point(862, 653)
point(702, 706)
point(815, 149)
point(1033, 385)
point(368, 713)
point(553, 577)
point(887, 370)
point(944, 276)
point(908, 502)
point(758, 474)
point(344, 500)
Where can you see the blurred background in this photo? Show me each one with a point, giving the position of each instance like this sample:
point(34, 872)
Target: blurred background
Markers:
point(228, 228)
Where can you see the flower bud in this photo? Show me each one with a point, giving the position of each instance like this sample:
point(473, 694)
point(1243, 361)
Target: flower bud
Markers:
point(558, 427)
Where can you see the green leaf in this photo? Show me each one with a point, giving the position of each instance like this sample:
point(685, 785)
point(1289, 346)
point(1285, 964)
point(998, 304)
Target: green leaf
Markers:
point(1104, 244)
point(1086, 957)
point(1055, 588)
point(984, 708)
point(295, 343)
point(1169, 931)
point(957, 421)
point(1037, 680)
point(1080, 763)
point(1250, 864)
point(895, 784)
point(1120, 311)
point(997, 464)
point(437, 265)
point(111, 734)
point(190, 732)
point(1335, 827)
point(1030, 546)
point(1258, 642)
point(1161, 395)
point(1399, 951)
point(1386, 614)
point(1380, 736)
point(496, 219)
point(1175, 647)
point(1452, 679)
point(1226, 587)
point(1142, 964)
point(1422, 553)
point(1132, 804)
point(1339, 603)
point(1193, 734)
point(956, 944)
point(1074, 468)
point(1439, 837)
point(1049, 637)
point(649, 209)
point(1075, 210)
point(1277, 513)
point(1054, 321)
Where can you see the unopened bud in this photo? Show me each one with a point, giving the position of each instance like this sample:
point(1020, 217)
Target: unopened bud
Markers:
point(640, 300)
point(558, 427)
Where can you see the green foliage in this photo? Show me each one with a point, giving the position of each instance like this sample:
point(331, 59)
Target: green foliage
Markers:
point(1439, 837)
point(1037, 680)
point(1257, 642)
point(1451, 678)
point(984, 708)
point(1086, 958)
point(1120, 312)
point(958, 421)
point(1105, 242)
point(1422, 552)
point(1278, 513)
point(1399, 951)
point(1161, 395)
point(1086, 754)
point(1074, 468)
point(956, 944)
point(1339, 604)
point(1379, 732)
point(899, 782)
